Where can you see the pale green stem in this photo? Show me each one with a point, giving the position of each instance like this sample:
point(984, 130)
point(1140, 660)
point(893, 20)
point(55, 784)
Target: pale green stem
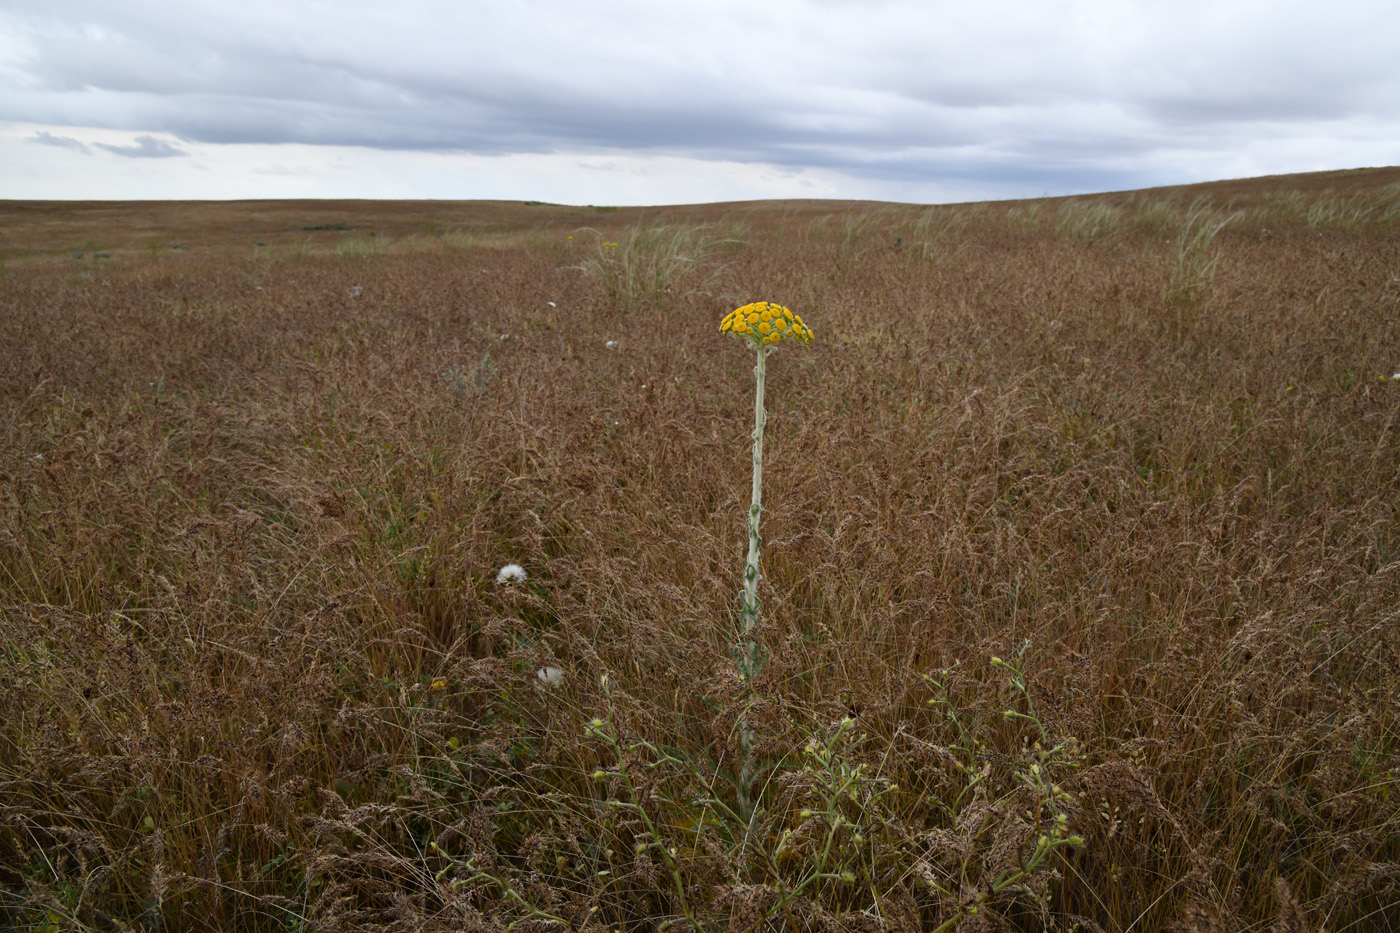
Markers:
point(749, 613)
point(750, 651)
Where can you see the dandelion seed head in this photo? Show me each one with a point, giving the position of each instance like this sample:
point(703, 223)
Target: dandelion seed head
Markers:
point(511, 573)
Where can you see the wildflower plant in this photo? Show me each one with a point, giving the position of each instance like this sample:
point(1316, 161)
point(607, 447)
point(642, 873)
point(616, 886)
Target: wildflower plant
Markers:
point(763, 325)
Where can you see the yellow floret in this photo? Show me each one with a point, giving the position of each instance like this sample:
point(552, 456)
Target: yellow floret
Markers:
point(787, 314)
point(753, 317)
point(765, 327)
point(766, 315)
point(780, 324)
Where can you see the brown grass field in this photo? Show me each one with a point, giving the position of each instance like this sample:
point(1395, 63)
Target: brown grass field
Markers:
point(1141, 448)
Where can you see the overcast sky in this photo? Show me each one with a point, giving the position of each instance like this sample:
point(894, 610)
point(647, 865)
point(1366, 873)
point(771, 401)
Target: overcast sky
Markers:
point(655, 102)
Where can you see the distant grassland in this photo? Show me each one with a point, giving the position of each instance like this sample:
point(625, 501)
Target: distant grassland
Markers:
point(262, 461)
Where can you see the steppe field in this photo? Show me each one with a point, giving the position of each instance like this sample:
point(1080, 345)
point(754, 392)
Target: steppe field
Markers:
point(1080, 573)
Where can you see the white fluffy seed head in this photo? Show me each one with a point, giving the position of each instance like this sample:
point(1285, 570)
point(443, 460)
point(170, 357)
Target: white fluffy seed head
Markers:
point(550, 676)
point(511, 573)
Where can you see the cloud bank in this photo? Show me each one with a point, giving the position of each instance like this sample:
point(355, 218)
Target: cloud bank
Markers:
point(1009, 96)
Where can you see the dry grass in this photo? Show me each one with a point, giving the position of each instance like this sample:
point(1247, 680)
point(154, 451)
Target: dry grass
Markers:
point(258, 673)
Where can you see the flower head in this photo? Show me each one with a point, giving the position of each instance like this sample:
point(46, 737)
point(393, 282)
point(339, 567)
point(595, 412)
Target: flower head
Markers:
point(511, 573)
point(764, 323)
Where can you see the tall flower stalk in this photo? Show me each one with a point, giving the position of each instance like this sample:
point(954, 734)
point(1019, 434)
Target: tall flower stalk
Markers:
point(762, 325)
point(751, 656)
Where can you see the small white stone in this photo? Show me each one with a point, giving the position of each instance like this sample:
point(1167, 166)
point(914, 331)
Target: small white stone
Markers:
point(612, 344)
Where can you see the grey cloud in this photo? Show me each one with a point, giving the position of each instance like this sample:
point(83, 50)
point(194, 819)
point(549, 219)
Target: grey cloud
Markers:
point(146, 147)
point(898, 92)
point(46, 138)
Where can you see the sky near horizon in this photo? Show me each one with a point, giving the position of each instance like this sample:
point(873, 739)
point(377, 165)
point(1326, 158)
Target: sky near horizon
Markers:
point(625, 102)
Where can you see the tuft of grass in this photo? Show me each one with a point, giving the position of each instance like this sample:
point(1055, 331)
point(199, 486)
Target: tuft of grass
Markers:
point(371, 246)
point(457, 239)
point(647, 266)
point(1156, 216)
point(1026, 219)
point(939, 231)
point(1086, 221)
point(1194, 256)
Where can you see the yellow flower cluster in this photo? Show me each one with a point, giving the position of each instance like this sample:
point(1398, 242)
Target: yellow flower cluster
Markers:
point(765, 323)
